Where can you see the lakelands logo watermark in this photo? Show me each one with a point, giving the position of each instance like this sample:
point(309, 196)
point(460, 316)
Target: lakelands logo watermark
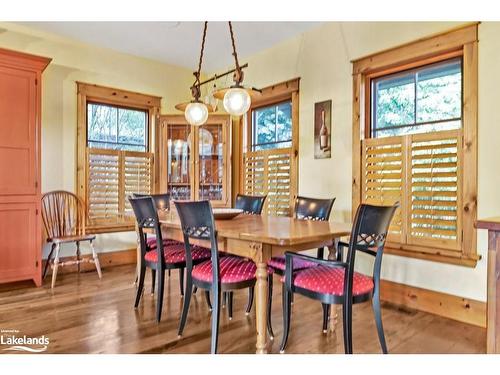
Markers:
point(22, 343)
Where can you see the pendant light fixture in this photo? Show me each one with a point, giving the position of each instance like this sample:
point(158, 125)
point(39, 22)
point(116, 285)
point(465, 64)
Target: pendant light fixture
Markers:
point(196, 112)
point(236, 99)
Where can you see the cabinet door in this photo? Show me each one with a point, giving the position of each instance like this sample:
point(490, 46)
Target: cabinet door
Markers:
point(175, 157)
point(18, 151)
point(211, 164)
point(20, 242)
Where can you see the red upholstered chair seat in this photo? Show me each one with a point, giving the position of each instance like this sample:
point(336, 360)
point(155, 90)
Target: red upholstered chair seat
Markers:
point(151, 242)
point(233, 269)
point(328, 280)
point(175, 253)
point(298, 264)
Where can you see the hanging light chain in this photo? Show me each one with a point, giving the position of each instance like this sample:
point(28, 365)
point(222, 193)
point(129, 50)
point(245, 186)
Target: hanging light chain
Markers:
point(238, 74)
point(195, 89)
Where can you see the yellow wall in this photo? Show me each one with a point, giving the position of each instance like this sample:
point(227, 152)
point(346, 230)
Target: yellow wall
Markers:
point(73, 61)
point(321, 57)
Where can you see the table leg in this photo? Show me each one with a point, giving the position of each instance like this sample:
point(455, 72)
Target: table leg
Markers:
point(260, 307)
point(333, 250)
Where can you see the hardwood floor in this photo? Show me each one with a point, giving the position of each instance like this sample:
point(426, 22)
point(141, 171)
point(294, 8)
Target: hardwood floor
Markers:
point(85, 315)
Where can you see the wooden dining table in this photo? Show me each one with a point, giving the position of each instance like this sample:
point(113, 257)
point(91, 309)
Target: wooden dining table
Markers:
point(259, 238)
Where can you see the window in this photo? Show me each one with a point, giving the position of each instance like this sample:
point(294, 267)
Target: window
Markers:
point(114, 158)
point(268, 160)
point(420, 100)
point(116, 128)
point(415, 141)
point(272, 126)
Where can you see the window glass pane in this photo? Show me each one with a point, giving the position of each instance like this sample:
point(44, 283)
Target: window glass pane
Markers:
point(394, 101)
point(101, 122)
point(414, 129)
point(265, 120)
point(131, 126)
point(430, 96)
point(439, 92)
point(284, 125)
point(116, 128)
point(272, 126)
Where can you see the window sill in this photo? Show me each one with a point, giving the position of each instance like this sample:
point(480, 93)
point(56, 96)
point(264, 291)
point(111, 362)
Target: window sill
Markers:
point(459, 260)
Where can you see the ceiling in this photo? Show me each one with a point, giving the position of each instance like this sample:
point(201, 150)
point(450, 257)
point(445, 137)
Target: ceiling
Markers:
point(179, 43)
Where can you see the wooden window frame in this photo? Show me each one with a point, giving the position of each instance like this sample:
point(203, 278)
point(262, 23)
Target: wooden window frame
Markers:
point(116, 97)
point(274, 94)
point(461, 41)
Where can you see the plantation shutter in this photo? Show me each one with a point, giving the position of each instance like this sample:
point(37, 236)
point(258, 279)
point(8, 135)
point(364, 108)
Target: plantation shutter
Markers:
point(422, 172)
point(113, 175)
point(269, 173)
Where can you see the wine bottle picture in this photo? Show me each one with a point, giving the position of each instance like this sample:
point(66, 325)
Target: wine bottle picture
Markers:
point(323, 133)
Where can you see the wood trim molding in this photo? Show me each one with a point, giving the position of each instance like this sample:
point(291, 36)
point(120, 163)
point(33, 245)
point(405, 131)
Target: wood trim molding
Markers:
point(118, 96)
point(23, 60)
point(278, 92)
point(449, 306)
point(436, 44)
point(110, 259)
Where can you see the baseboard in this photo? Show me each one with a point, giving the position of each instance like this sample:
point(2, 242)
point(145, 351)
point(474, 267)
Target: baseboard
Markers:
point(111, 259)
point(449, 306)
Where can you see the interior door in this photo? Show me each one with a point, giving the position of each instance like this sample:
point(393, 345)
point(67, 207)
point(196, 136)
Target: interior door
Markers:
point(17, 132)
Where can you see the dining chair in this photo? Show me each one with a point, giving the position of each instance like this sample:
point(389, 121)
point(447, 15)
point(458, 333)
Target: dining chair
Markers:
point(162, 202)
point(250, 204)
point(336, 282)
point(164, 256)
point(63, 216)
point(305, 209)
point(220, 273)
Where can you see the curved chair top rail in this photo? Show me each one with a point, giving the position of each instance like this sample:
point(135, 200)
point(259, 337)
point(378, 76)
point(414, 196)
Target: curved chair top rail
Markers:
point(250, 204)
point(313, 208)
point(63, 214)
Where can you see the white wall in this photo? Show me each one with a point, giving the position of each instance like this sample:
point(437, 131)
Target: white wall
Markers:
point(73, 61)
point(321, 57)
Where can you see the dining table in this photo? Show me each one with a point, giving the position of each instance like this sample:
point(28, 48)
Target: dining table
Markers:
point(259, 238)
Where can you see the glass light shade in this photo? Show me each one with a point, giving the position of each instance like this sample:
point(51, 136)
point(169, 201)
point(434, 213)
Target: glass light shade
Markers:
point(237, 101)
point(196, 113)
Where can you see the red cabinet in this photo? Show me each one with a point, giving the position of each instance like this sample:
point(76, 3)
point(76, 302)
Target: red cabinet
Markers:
point(20, 220)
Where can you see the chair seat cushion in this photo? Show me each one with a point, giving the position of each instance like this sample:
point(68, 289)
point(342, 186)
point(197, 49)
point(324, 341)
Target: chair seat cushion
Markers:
point(151, 242)
point(328, 280)
point(175, 253)
point(298, 264)
point(233, 269)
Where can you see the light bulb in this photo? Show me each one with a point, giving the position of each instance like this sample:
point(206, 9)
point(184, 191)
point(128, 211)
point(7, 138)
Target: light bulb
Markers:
point(196, 113)
point(237, 101)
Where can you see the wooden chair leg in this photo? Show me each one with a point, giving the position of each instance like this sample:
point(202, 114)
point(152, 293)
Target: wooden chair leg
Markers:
point(159, 296)
point(153, 280)
point(56, 266)
point(270, 305)
point(251, 292)
point(378, 321)
point(48, 260)
point(186, 302)
point(347, 325)
point(326, 316)
point(207, 298)
point(195, 289)
point(230, 304)
point(181, 281)
point(78, 256)
point(215, 319)
point(140, 286)
point(287, 312)
point(96, 260)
